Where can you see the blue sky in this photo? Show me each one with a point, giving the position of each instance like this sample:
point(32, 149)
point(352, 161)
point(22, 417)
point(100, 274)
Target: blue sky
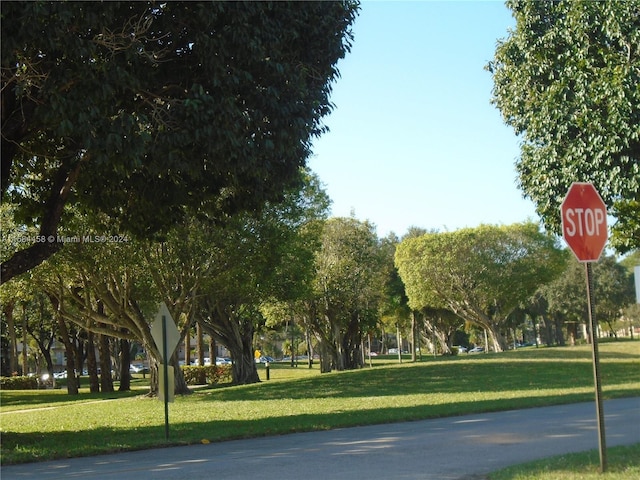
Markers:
point(414, 140)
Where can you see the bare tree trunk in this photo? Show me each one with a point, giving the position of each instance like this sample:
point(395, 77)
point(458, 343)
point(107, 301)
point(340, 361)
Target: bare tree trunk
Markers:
point(106, 379)
point(181, 387)
point(13, 340)
point(325, 357)
point(92, 364)
point(187, 348)
point(125, 363)
point(25, 368)
point(413, 336)
point(212, 349)
point(199, 346)
point(72, 384)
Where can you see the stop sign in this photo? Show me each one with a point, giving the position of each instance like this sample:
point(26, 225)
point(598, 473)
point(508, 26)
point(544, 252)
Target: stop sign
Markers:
point(584, 221)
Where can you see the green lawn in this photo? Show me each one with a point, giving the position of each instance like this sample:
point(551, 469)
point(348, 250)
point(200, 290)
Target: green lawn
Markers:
point(622, 463)
point(38, 425)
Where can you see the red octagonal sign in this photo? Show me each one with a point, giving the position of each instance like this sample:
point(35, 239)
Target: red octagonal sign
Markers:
point(584, 221)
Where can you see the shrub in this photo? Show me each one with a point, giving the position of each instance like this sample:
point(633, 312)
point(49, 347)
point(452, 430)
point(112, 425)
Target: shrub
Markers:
point(207, 374)
point(18, 383)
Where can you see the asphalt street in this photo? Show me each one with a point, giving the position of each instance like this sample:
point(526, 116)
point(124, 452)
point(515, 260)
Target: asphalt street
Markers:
point(451, 448)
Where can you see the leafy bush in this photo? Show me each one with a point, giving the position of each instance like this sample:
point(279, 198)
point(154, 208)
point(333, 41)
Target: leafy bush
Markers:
point(18, 383)
point(207, 374)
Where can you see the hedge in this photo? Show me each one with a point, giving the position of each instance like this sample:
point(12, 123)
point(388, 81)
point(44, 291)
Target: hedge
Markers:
point(207, 374)
point(18, 383)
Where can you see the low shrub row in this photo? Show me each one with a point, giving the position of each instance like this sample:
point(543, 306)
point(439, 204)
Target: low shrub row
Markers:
point(18, 383)
point(207, 374)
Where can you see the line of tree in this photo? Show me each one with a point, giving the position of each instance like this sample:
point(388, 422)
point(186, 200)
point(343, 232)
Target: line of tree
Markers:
point(185, 127)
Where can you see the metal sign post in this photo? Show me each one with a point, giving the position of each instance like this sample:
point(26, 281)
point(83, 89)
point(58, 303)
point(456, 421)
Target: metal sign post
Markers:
point(584, 228)
point(166, 337)
point(602, 445)
point(165, 372)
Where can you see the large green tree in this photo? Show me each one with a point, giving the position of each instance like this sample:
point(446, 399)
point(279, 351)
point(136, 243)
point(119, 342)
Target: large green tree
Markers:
point(257, 261)
point(348, 285)
point(482, 274)
point(567, 79)
point(150, 112)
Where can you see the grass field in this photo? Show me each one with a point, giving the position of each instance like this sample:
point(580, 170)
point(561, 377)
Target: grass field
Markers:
point(623, 464)
point(38, 425)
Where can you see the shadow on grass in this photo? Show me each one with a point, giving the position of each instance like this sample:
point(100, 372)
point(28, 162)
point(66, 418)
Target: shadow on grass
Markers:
point(438, 377)
point(58, 397)
point(34, 447)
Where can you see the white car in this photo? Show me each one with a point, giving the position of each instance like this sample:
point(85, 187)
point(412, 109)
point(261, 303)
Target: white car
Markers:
point(223, 361)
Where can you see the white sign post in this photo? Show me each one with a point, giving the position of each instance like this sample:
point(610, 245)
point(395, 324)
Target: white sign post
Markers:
point(166, 336)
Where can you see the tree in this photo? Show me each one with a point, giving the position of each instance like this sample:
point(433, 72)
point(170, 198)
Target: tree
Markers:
point(258, 261)
point(151, 112)
point(566, 79)
point(613, 292)
point(482, 274)
point(347, 286)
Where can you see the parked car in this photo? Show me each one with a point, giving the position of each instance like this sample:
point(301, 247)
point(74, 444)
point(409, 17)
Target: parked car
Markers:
point(223, 361)
point(476, 350)
point(393, 351)
point(137, 368)
point(462, 349)
point(265, 359)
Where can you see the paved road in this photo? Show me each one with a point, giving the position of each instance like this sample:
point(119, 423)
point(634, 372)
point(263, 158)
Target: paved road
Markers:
point(443, 449)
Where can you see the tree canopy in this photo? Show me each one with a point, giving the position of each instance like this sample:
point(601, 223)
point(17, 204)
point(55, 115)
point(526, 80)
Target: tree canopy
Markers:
point(482, 274)
point(567, 79)
point(149, 112)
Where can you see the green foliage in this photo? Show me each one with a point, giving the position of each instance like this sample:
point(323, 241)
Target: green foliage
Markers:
point(18, 383)
point(347, 286)
point(150, 112)
point(613, 291)
point(207, 374)
point(566, 79)
point(482, 274)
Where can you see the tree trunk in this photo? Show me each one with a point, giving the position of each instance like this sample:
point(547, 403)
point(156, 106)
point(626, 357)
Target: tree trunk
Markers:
point(199, 346)
point(92, 364)
point(13, 340)
point(212, 350)
point(125, 364)
point(25, 367)
point(244, 364)
point(72, 384)
point(187, 348)
point(325, 356)
point(413, 336)
point(106, 379)
point(181, 387)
